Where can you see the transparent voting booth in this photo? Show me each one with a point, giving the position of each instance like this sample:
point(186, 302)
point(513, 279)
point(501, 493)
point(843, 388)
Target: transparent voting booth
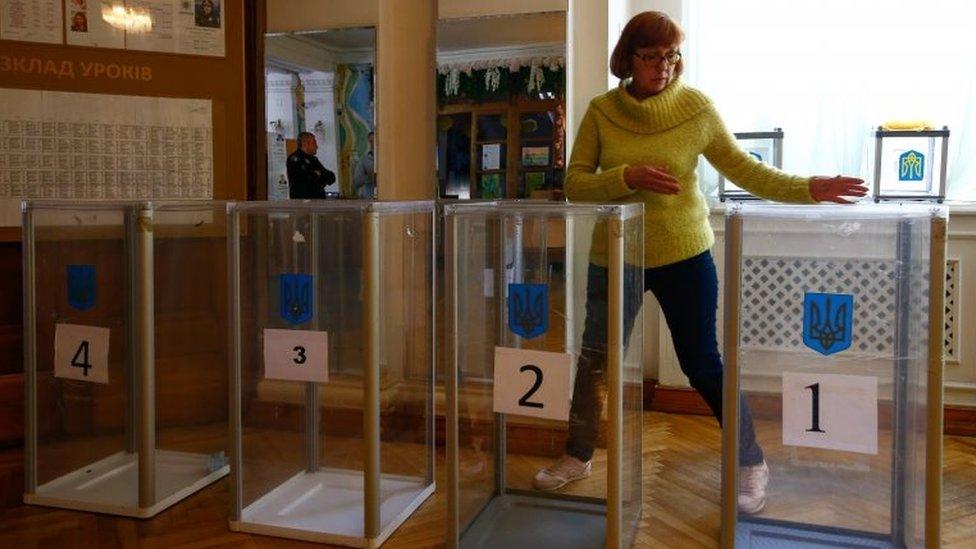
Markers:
point(125, 348)
point(910, 164)
point(833, 331)
point(522, 279)
point(332, 388)
point(766, 147)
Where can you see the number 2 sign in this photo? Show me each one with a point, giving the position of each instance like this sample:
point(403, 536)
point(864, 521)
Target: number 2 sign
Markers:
point(532, 383)
point(296, 355)
point(81, 352)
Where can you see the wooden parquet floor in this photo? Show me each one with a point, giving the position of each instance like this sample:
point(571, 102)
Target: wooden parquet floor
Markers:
point(680, 489)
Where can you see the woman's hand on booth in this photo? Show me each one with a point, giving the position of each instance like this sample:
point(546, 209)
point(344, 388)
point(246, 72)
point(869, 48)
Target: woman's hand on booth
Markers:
point(651, 178)
point(833, 189)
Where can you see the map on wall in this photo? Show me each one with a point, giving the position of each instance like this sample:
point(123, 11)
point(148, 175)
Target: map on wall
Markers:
point(82, 145)
point(175, 26)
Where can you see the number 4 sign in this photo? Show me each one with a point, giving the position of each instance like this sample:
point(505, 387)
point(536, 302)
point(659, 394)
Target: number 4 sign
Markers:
point(81, 352)
point(532, 383)
point(831, 411)
point(296, 355)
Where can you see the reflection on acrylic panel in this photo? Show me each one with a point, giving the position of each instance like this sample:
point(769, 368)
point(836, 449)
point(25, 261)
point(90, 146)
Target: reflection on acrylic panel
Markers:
point(322, 82)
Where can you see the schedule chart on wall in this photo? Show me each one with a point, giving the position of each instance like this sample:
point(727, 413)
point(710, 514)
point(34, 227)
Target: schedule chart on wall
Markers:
point(78, 145)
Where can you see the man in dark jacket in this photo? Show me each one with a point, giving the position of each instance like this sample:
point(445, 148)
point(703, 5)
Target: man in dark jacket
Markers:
point(307, 177)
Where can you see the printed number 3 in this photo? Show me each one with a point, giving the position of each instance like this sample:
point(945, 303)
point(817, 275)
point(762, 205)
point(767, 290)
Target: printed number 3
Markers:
point(524, 401)
point(301, 358)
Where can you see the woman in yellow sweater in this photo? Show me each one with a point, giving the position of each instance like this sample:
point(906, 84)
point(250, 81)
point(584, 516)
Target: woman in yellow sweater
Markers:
point(641, 143)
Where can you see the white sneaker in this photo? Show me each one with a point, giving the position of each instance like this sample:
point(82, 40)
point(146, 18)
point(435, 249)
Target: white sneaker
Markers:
point(752, 488)
point(567, 469)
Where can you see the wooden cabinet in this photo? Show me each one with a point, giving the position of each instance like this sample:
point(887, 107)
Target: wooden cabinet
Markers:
point(500, 150)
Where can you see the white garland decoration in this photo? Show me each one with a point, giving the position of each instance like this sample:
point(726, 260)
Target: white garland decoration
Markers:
point(513, 64)
point(493, 78)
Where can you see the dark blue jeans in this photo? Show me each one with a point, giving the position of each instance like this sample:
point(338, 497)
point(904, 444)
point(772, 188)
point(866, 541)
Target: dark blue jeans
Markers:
point(688, 294)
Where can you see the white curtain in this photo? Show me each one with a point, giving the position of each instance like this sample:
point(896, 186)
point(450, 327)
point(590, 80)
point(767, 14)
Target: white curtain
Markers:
point(830, 71)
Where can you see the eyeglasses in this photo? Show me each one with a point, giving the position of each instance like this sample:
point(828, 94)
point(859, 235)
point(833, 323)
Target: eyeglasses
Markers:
point(672, 57)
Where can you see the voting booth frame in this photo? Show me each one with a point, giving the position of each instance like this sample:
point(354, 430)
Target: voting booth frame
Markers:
point(901, 515)
point(142, 478)
point(503, 515)
point(291, 491)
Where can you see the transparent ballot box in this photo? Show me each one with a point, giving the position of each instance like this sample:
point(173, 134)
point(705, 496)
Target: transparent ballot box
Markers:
point(833, 347)
point(766, 147)
point(543, 297)
point(910, 164)
point(125, 353)
point(332, 398)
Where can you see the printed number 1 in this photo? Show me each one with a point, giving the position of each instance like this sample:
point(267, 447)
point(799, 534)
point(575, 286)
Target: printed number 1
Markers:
point(82, 353)
point(301, 358)
point(815, 413)
point(524, 401)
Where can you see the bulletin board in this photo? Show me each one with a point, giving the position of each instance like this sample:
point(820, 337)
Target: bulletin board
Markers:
point(165, 90)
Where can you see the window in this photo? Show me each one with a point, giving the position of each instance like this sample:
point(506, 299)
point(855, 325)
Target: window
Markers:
point(830, 71)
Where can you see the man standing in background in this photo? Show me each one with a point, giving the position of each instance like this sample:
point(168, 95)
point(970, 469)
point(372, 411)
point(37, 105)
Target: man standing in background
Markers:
point(307, 177)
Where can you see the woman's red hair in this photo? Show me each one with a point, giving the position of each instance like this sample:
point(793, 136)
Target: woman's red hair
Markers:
point(649, 29)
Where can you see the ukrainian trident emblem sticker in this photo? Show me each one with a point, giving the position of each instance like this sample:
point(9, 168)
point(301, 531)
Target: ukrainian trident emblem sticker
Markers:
point(827, 322)
point(528, 309)
point(911, 166)
point(295, 294)
point(81, 286)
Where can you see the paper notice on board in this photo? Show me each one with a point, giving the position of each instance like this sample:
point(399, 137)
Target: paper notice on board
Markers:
point(491, 156)
point(194, 27)
point(200, 27)
point(162, 35)
point(85, 25)
point(277, 167)
point(31, 21)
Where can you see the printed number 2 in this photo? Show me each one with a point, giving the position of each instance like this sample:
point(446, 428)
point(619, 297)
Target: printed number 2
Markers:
point(82, 353)
point(301, 358)
point(524, 401)
point(815, 412)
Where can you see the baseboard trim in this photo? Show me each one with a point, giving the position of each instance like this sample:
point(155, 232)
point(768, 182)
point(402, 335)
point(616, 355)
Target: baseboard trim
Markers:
point(674, 400)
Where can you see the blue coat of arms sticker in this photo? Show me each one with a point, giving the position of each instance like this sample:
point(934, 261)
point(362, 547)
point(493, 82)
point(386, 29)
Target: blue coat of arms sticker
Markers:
point(828, 322)
point(528, 309)
point(82, 293)
point(911, 166)
point(295, 297)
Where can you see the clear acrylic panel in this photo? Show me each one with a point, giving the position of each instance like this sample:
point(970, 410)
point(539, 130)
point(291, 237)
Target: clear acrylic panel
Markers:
point(82, 288)
point(911, 165)
point(833, 355)
point(190, 348)
point(763, 149)
point(127, 343)
point(522, 277)
point(324, 289)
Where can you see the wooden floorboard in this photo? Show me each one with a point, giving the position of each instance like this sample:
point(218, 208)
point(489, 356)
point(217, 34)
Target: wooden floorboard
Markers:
point(680, 493)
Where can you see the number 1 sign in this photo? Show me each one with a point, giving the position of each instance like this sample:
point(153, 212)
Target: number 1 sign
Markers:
point(831, 411)
point(532, 383)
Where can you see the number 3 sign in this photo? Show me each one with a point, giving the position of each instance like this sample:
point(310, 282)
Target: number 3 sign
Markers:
point(296, 355)
point(532, 383)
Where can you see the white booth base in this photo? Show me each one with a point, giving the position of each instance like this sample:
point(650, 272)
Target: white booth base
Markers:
point(111, 485)
point(516, 520)
point(327, 507)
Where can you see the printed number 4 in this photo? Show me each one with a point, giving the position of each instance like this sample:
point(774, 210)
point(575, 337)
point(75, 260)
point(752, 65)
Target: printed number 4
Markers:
point(301, 358)
point(815, 412)
point(82, 353)
point(524, 401)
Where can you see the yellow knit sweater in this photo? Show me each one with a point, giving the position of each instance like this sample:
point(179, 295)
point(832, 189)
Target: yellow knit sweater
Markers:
point(670, 129)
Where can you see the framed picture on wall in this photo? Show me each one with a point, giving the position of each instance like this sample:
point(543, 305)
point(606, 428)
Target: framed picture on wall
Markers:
point(535, 156)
